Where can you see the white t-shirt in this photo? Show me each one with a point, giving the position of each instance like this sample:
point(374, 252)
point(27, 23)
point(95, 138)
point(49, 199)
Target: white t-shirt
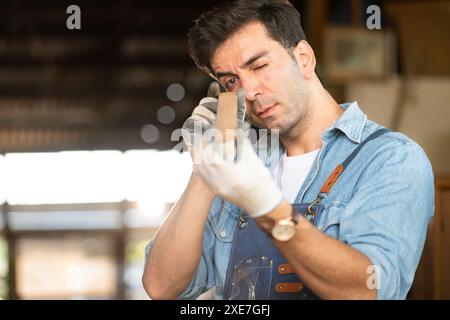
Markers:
point(291, 172)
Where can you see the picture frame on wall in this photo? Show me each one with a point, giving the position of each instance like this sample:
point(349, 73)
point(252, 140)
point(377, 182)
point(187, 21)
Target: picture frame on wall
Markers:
point(358, 54)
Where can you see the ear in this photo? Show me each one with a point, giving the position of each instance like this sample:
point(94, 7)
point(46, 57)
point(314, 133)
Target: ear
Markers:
point(305, 57)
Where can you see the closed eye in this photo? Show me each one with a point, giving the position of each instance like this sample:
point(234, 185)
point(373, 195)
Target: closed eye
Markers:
point(260, 67)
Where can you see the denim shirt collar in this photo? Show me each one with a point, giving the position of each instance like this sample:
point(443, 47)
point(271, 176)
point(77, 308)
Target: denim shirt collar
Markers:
point(351, 123)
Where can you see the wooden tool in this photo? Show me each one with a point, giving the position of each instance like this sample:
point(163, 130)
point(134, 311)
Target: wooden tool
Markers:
point(226, 116)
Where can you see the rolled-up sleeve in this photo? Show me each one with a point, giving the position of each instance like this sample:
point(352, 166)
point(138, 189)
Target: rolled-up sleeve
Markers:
point(203, 279)
point(387, 218)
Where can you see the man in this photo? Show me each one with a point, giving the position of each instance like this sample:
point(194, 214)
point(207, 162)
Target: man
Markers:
point(339, 211)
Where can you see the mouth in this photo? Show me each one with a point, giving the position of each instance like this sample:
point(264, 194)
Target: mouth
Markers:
point(267, 111)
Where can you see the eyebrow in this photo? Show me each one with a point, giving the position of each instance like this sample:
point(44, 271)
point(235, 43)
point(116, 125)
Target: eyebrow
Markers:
point(247, 63)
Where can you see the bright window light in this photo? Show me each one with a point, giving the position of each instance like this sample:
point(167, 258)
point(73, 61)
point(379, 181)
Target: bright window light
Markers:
point(152, 178)
point(162, 174)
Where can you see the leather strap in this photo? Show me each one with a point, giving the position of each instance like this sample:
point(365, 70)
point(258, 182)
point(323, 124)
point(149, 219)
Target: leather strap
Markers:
point(289, 287)
point(334, 177)
point(285, 268)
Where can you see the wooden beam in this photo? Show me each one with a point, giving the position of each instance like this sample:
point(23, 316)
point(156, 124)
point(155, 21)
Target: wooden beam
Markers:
point(226, 115)
point(356, 9)
point(316, 21)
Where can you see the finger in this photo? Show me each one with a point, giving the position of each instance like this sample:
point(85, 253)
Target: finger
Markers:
point(202, 122)
point(210, 156)
point(241, 106)
point(227, 150)
point(210, 103)
point(214, 89)
point(247, 153)
point(204, 112)
point(189, 124)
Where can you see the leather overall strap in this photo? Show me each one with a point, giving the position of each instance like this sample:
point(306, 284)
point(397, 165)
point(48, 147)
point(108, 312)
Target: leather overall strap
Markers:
point(337, 172)
point(329, 184)
point(251, 243)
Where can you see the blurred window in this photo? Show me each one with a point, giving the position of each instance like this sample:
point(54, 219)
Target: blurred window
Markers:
point(80, 220)
point(66, 267)
point(65, 220)
point(134, 263)
point(3, 268)
point(147, 176)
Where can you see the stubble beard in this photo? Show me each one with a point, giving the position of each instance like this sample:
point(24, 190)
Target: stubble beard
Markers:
point(296, 119)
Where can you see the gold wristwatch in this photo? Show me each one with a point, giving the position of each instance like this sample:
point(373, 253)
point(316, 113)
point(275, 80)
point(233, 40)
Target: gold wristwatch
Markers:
point(284, 229)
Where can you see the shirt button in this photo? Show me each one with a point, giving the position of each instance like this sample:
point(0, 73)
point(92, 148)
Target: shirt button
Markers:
point(223, 234)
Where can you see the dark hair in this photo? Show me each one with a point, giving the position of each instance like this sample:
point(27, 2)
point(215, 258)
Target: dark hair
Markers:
point(212, 28)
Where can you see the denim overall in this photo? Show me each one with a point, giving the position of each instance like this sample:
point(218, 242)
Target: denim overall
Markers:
point(256, 269)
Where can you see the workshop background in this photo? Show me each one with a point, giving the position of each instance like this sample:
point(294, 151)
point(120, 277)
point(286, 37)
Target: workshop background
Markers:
point(89, 119)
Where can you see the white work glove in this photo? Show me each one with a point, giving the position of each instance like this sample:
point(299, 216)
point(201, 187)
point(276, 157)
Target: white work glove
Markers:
point(234, 171)
point(203, 118)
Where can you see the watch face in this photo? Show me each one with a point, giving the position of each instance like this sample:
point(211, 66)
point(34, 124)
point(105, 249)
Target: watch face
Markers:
point(283, 230)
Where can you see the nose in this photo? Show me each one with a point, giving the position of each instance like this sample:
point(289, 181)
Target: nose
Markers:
point(252, 88)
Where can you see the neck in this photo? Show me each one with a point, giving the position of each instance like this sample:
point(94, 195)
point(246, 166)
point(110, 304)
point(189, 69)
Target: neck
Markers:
point(323, 111)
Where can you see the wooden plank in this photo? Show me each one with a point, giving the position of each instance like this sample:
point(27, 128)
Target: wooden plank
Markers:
point(432, 279)
point(356, 8)
point(316, 22)
point(444, 292)
point(437, 245)
point(226, 115)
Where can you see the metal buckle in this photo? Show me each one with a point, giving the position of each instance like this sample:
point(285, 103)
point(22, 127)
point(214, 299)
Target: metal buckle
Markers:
point(242, 221)
point(310, 215)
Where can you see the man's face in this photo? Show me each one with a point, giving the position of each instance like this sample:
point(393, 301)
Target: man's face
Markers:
point(276, 90)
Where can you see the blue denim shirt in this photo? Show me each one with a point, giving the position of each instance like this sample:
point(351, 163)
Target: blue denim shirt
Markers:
point(381, 205)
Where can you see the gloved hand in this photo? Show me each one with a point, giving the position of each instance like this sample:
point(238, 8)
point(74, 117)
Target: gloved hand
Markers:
point(203, 117)
point(236, 173)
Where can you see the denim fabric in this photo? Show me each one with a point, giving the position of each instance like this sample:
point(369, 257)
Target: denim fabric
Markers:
point(381, 205)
